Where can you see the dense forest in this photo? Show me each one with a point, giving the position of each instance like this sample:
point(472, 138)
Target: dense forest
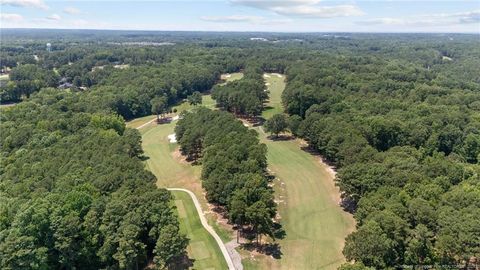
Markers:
point(405, 138)
point(74, 193)
point(234, 167)
point(243, 97)
point(398, 115)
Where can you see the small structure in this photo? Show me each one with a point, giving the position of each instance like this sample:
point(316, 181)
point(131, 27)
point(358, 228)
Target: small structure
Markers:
point(49, 47)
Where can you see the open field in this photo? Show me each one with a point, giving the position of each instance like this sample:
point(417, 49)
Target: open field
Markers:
point(275, 86)
point(202, 246)
point(307, 200)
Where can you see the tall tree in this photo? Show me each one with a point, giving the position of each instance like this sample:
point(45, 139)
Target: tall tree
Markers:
point(159, 106)
point(195, 98)
point(277, 124)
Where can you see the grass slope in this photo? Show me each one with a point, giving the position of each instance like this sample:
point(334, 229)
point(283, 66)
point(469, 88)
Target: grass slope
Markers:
point(307, 202)
point(202, 246)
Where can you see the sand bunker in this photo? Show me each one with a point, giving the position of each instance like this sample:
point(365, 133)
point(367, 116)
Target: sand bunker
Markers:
point(172, 138)
point(266, 75)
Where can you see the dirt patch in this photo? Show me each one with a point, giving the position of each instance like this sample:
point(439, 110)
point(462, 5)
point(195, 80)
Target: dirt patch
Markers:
point(177, 156)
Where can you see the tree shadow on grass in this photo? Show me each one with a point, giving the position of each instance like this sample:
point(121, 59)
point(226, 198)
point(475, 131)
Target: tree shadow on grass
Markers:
point(144, 158)
point(269, 249)
point(258, 121)
point(279, 138)
point(348, 204)
point(183, 262)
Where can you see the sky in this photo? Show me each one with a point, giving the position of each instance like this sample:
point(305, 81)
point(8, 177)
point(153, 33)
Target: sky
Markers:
point(247, 15)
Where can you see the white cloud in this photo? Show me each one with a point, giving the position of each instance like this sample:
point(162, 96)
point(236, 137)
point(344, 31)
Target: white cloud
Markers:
point(302, 8)
point(232, 18)
point(243, 19)
point(443, 19)
point(11, 17)
point(25, 3)
point(71, 10)
point(54, 17)
point(319, 11)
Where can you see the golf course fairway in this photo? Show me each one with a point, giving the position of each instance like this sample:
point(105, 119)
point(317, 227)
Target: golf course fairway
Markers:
point(308, 202)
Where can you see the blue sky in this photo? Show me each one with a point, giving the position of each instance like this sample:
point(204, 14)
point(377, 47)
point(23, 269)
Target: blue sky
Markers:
point(247, 15)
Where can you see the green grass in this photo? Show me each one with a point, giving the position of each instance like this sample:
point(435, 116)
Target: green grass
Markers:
point(207, 101)
point(275, 87)
point(307, 199)
point(202, 246)
point(139, 121)
point(315, 225)
point(162, 161)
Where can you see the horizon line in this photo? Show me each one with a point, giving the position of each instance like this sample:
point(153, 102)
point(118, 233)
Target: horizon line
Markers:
point(233, 31)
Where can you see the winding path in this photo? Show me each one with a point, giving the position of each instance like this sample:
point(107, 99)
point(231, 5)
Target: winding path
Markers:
point(143, 125)
point(228, 253)
point(209, 228)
